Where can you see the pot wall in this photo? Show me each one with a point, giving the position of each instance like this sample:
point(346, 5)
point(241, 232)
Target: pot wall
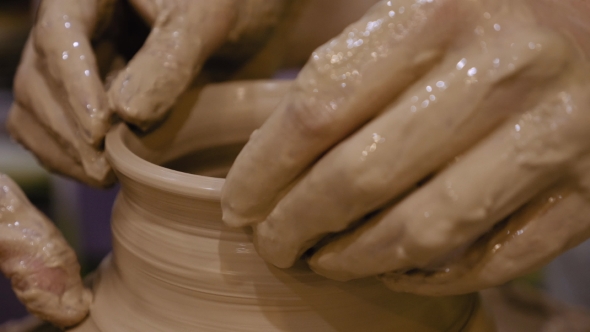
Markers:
point(176, 267)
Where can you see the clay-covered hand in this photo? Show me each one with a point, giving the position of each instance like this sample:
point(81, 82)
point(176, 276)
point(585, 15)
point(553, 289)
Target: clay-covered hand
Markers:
point(443, 145)
point(43, 269)
point(62, 109)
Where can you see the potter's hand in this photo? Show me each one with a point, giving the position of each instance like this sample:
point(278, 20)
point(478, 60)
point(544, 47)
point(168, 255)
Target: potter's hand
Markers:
point(415, 133)
point(62, 110)
point(36, 258)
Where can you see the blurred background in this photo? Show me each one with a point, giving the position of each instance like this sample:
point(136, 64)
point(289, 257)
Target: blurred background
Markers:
point(83, 213)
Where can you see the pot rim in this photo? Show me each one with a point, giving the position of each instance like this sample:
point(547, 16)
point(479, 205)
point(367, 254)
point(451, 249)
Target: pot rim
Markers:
point(126, 162)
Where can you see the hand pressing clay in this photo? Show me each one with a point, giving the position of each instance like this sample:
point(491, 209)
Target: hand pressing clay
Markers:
point(42, 267)
point(443, 145)
point(62, 109)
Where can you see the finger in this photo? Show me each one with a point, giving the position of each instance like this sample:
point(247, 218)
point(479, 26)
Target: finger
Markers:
point(436, 120)
point(466, 200)
point(39, 122)
point(184, 34)
point(49, 150)
point(554, 222)
point(62, 38)
point(345, 83)
point(42, 267)
point(551, 224)
point(31, 90)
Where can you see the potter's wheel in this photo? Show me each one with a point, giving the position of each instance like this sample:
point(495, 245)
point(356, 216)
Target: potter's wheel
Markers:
point(176, 267)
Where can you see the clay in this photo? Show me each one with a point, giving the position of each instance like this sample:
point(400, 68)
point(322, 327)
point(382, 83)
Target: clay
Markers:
point(176, 267)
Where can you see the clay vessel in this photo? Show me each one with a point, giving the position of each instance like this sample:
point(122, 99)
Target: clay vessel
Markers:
point(176, 267)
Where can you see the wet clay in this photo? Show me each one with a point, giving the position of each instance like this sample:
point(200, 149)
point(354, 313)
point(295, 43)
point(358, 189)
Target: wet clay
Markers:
point(176, 267)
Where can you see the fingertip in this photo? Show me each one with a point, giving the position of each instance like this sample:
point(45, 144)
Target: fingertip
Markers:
point(231, 219)
point(425, 286)
point(72, 309)
point(238, 202)
point(139, 103)
point(75, 305)
point(144, 92)
point(350, 256)
point(278, 251)
point(328, 264)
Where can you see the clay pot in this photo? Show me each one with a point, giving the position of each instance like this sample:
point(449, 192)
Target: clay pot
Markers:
point(176, 267)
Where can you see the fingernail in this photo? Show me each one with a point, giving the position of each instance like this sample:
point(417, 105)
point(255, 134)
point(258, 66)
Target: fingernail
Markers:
point(329, 265)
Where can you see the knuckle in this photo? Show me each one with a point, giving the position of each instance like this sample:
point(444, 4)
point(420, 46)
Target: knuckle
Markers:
point(366, 181)
point(351, 172)
point(23, 88)
point(38, 36)
point(44, 27)
point(312, 116)
point(365, 178)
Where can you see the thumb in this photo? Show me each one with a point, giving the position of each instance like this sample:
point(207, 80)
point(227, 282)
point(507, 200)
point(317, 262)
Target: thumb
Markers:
point(41, 266)
point(184, 34)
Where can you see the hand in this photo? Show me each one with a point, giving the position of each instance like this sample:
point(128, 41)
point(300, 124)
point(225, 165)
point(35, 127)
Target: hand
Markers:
point(443, 145)
point(42, 267)
point(62, 110)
